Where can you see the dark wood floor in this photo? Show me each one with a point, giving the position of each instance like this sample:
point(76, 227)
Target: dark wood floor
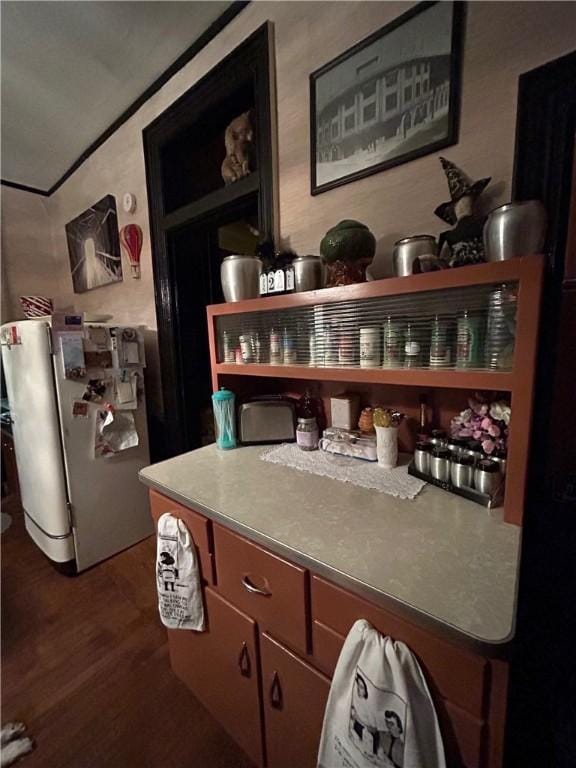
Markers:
point(85, 666)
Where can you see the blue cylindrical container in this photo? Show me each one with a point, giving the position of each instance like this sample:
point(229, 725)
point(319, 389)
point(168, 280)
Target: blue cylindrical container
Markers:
point(224, 418)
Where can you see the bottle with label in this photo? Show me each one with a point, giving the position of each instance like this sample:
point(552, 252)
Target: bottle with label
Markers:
point(468, 340)
point(412, 347)
point(424, 432)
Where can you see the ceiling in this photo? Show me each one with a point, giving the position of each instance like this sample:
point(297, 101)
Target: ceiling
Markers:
point(70, 69)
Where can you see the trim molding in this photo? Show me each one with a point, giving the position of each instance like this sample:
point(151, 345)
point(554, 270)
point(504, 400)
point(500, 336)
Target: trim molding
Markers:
point(24, 188)
point(206, 37)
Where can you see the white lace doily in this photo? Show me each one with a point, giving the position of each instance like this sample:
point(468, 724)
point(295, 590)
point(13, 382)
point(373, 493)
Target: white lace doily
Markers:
point(367, 474)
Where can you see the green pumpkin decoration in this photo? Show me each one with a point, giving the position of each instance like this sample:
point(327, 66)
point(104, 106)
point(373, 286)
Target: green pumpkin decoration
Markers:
point(349, 240)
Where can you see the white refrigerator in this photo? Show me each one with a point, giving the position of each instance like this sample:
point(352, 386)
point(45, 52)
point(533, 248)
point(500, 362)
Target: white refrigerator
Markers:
point(80, 506)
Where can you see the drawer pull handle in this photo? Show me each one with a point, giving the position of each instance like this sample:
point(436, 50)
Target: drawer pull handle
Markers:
point(275, 692)
point(247, 584)
point(244, 661)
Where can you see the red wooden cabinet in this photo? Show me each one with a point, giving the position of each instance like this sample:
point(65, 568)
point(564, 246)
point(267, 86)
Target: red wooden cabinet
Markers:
point(221, 668)
point(294, 695)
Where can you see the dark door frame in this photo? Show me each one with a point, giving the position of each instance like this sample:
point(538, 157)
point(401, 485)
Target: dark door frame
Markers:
point(542, 697)
point(250, 60)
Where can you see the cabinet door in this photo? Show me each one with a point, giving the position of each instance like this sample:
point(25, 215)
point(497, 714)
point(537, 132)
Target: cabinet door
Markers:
point(295, 697)
point(221, 668)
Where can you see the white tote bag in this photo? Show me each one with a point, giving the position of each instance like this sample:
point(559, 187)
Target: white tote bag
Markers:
point(379, 710)
point(177, 576)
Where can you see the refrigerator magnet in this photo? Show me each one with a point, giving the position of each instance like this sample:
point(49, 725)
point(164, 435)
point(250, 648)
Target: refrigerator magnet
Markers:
point(80, 409)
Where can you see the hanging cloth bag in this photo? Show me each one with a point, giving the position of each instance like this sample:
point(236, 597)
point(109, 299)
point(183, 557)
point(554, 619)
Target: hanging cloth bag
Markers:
point(379, 712)
point(177, 576)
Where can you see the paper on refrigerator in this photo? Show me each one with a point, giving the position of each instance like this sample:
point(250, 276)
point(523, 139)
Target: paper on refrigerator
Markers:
point(115, 432)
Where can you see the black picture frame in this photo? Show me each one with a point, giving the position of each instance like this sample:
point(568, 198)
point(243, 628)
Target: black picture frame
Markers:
point(450, 64)
point(101, 264)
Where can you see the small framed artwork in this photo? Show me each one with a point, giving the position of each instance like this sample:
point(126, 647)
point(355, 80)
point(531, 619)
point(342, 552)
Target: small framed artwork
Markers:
point(94, 246)
point(393, 97)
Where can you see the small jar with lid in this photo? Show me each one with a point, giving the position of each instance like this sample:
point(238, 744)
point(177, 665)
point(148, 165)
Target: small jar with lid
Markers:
point(457, 445)
point(307, 436)
point(422, 457)
point(474, 448)
point(440, 464)
point(487, 476)
point(462, 470)
point(438, 437)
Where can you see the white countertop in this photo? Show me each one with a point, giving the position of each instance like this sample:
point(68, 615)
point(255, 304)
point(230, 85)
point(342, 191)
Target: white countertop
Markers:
point(439, 559)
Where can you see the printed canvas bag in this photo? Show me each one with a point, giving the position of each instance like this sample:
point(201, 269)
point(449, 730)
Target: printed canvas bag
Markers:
point(177, 576)
point(379, 712)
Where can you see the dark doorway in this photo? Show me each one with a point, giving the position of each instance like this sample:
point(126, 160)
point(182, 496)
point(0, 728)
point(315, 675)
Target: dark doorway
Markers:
point(542, 702)
point(196, 220)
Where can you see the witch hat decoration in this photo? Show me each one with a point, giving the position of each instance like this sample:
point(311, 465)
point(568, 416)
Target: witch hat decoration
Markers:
point(459, 186)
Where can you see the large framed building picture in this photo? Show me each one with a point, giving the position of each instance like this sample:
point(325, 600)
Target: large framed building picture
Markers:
point(391, 98)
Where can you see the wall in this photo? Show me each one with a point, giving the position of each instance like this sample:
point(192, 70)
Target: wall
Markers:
point(29, 265)
point(502, 41)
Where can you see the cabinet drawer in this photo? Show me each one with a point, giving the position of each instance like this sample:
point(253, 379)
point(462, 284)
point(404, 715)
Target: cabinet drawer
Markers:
point(264, 585)
point(455, 674)
point(220, 667)
point(295, 698)
point(200, 529)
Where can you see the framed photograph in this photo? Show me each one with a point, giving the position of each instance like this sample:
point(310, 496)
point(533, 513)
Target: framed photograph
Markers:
point(391, 98)
point(94, 246)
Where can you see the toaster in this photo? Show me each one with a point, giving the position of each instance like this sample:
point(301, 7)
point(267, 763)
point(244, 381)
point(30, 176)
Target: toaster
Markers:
point(267, 420)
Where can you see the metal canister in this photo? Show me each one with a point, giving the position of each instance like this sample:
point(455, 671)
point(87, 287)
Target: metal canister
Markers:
point(440, 464)
point(462, 470)
point(422, 457)
point(487, 477)
point(308, 273)
point(474, 448)
point(456, 445)
point(408, 250)
point(438, 437)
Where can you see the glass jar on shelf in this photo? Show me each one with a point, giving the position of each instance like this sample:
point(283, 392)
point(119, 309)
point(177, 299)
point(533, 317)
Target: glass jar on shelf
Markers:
point(413, 346)
point(392, 343)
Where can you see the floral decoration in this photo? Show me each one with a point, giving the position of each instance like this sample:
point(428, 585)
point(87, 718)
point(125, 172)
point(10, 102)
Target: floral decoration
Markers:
point(484, 420)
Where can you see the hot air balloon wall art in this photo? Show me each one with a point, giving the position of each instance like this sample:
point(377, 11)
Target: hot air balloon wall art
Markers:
point(94, 246)
point(131, 238)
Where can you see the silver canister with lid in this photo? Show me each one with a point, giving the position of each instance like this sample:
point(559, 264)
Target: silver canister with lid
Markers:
point(308, 273)
point(440, 464)
point(422, 457)
point(408, 250)
point(462, 470)
point(487, 477)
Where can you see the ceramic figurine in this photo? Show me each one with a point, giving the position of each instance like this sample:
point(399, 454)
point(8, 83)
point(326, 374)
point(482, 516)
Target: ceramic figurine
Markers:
point(463, 244)
point(347, 249)
point(238, 139)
